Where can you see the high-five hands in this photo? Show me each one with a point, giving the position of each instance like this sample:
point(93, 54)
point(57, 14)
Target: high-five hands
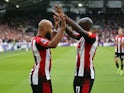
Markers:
point(59, 15)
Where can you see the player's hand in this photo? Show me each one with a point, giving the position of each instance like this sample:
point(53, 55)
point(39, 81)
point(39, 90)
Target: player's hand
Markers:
point(58, 9)
point(56, 21)
point(60, 15)
point(63, 21)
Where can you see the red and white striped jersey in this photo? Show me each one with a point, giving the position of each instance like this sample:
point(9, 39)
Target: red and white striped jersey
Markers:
point(119, 44)
point(42, 57)
point(85, 53)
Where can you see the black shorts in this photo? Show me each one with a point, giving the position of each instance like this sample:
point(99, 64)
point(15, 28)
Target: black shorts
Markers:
point(120, 55)
point(44, 86)
point(82, 85)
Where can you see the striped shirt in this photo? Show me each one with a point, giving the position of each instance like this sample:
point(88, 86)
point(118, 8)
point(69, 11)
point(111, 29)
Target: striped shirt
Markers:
point(42, 57)
point(119, 44)
point(85, 54)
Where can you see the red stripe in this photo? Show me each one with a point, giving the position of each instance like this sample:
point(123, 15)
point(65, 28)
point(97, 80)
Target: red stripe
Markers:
point(46, 87)
point(42, 63)
point(87, 56)
point(42, 56)
point(86, 86)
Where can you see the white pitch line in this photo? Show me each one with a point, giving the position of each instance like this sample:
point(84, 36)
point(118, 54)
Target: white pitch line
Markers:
point(12, 55)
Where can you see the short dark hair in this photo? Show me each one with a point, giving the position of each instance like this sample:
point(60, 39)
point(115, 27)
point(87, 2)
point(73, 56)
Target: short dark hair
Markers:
point(85, 23)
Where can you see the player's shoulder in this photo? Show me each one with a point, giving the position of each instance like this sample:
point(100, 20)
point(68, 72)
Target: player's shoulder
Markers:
point(91, 35)
point(39, 39)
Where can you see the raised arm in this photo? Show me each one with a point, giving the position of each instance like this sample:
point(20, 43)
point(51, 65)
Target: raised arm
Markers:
point(71, 34)
point(55, 40)
point(73, 24)
point(56, 25)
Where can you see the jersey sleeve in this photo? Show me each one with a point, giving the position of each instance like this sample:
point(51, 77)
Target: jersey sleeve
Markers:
point(90, 38)
point(91, 35)
point(43, 42)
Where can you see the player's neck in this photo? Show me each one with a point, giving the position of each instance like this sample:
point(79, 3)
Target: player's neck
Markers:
point(40, 34)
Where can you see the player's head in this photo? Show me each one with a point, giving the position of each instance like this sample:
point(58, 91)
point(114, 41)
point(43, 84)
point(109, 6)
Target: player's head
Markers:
point(85, 23)
point(121, 30)
point(45, 26)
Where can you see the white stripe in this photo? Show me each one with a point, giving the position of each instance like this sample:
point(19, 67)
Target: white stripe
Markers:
point(119, 45)
point(14, 54)
point(47, 64)
point(76, 65)
point(81, 53)
point(35, 75)
point(93, 48)
point(36, 52)
point(92, 52)
point(116, 44)
point(123, 46)
point(38, 59)
point(91, 66)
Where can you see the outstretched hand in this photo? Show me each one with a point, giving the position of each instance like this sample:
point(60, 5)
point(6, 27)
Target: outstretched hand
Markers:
point(63, 21)
point(59, 14)
point(58, 9)
point(56, 21)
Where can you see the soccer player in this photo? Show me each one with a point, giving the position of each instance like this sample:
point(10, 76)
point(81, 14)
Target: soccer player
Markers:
point(86, 48)
point(41, 44)
point(119, 49)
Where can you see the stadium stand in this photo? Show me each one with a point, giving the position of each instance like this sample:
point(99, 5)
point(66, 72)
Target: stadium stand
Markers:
point(19, 18)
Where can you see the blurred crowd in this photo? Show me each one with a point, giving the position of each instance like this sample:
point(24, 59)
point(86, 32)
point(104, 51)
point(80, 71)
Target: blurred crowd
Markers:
point(19, 29)
point(13, 34)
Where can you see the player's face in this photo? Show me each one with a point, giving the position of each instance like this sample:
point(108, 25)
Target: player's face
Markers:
point(85, 25)
point(120, 31)
point(49, 32)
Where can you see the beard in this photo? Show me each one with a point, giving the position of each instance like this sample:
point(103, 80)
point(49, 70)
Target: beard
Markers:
point(48, 36)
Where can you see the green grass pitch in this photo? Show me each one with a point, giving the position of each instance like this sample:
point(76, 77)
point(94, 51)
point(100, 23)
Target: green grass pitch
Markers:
point(15, 67)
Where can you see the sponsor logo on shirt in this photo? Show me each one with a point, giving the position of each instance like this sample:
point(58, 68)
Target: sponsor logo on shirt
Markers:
point(44, 41)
